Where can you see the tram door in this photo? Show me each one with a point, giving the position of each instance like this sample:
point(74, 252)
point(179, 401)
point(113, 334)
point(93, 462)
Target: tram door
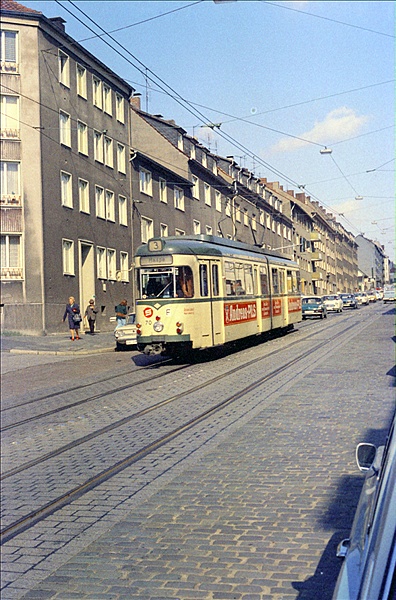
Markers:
point(212, 311)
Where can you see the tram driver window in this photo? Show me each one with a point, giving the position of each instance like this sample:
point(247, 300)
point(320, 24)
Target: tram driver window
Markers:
point(184, 283)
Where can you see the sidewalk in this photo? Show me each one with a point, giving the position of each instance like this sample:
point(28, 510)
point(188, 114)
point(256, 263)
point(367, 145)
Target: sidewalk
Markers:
point(58, 344)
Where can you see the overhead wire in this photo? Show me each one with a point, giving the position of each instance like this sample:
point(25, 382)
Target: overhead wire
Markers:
point(149, 74)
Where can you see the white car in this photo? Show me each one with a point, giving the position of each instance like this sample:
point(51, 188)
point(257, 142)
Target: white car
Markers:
point(333, 302)
point(126, 334)
point(364, 298)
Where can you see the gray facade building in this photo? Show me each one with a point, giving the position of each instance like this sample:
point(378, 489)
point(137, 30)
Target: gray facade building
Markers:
point(65, 203)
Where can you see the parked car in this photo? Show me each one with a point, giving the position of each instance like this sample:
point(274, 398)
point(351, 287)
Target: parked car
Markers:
point(389, 292)
point(333, 302)
point(358, 296)
point(364, 298)
point(372, 296)
point(349, 300)
point(369, 568)
point(126, 334)
point(313, 306)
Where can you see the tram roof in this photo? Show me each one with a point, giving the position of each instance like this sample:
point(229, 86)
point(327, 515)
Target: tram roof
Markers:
point(209, 245)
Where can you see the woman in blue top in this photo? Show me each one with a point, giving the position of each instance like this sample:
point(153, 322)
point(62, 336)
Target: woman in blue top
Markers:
point(73, 315)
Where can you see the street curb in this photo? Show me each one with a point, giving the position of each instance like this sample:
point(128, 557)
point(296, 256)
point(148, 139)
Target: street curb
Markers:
point(61, 352)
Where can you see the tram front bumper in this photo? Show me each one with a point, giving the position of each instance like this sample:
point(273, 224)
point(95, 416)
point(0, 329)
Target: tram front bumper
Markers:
point(156, 344)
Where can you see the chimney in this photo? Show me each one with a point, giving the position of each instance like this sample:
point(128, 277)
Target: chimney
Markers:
point(59, 23)
point(134, 101)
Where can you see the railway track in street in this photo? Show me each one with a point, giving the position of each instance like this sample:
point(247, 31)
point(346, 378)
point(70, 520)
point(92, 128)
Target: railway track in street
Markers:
point(306, 352)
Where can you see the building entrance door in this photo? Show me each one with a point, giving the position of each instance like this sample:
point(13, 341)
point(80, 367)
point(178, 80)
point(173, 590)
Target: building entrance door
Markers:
point(87, 274)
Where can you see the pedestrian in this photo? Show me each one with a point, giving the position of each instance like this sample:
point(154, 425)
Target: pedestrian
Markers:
point(73, 315)
point(121, 313)
point(90, 313)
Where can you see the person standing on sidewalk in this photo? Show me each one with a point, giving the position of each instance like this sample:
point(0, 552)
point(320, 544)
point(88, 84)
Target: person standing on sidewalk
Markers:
point(90, 313)
point(121, 313)
point(73, 315)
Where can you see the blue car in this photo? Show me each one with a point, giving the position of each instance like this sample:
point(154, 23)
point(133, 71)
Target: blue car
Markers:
point(313, 306)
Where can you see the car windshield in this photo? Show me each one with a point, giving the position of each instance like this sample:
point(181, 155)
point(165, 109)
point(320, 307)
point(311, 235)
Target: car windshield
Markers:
point(329, 297)
point(312, 300)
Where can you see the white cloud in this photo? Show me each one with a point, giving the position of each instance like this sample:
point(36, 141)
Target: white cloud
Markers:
point(340, 124)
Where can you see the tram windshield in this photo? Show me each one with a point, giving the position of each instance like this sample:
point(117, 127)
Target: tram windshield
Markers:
point(175, 282)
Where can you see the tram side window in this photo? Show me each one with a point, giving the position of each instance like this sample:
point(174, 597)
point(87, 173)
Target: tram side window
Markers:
point(229, 271)
point(184, 283)
point(203, 280)
point(215, 280)
point(239, 287)
point(282, 282)
point(264, 281)
point(292, 283)
point(249, 287)
point(275, 281)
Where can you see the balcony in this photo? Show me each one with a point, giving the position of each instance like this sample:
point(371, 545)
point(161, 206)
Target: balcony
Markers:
point(11, 273)
point(9, 67)
point(316, 256)
point(10, 134)
point(315, 236)
point(317, 276)
point(10, 200)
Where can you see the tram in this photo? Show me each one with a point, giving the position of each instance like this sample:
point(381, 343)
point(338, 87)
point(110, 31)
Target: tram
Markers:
point(198, 292)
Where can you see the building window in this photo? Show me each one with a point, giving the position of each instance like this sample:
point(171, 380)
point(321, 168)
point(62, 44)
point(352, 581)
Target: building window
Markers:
point(64, 69)
point(208, 230)
point(100, 202)
point(196, 227)
point(66, 190)
point(111, 263)
point(246, 218)
point(83, 195)
point(10, 189)
point(9, 51)
point(108, 152)
point(81, 81)
point(121, 158)
point(98, 146)
point(124, 266)
point(238, 213)
point(68, 257)
point(145, 182)
point(110, 206)
point(254, 223)
point(101, 262)
point(64, 129)
point(261, 218)
point(192, 152)
point(163, 196)
point(107, 103)
point(179, 198)
point(228, 208)
point(97, 92)
point(195, 190)
point(163, 230)
point(218, 201)
point(122, 210)
point(268, 219)
point(120, 116)
point(82, 138)
point(204, 160)
point(180, 232)
point(207, 197)
point(180, 141)
point(9, 117)
point(147, 229)
point(11, 256)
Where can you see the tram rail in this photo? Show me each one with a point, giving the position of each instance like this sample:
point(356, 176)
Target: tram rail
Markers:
point(25, 522)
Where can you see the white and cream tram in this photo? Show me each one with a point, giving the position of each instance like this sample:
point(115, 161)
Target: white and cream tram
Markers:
point(197, 292)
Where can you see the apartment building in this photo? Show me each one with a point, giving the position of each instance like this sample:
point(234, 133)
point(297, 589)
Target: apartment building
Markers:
point(65, 198)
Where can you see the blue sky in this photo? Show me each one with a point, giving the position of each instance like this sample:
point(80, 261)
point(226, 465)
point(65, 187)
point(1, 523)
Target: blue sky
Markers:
point(283, 80)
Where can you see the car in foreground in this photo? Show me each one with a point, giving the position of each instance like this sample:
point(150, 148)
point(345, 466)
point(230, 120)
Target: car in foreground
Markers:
point(369, 568)
point(313, 306)
point(349, 300)
point(125, 335)
point(333, 302)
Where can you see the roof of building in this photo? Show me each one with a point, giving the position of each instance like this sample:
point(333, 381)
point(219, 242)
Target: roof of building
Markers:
point(11, 5)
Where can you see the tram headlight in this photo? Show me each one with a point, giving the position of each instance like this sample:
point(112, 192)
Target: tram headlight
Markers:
point(179, 328)
point(158, 326)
